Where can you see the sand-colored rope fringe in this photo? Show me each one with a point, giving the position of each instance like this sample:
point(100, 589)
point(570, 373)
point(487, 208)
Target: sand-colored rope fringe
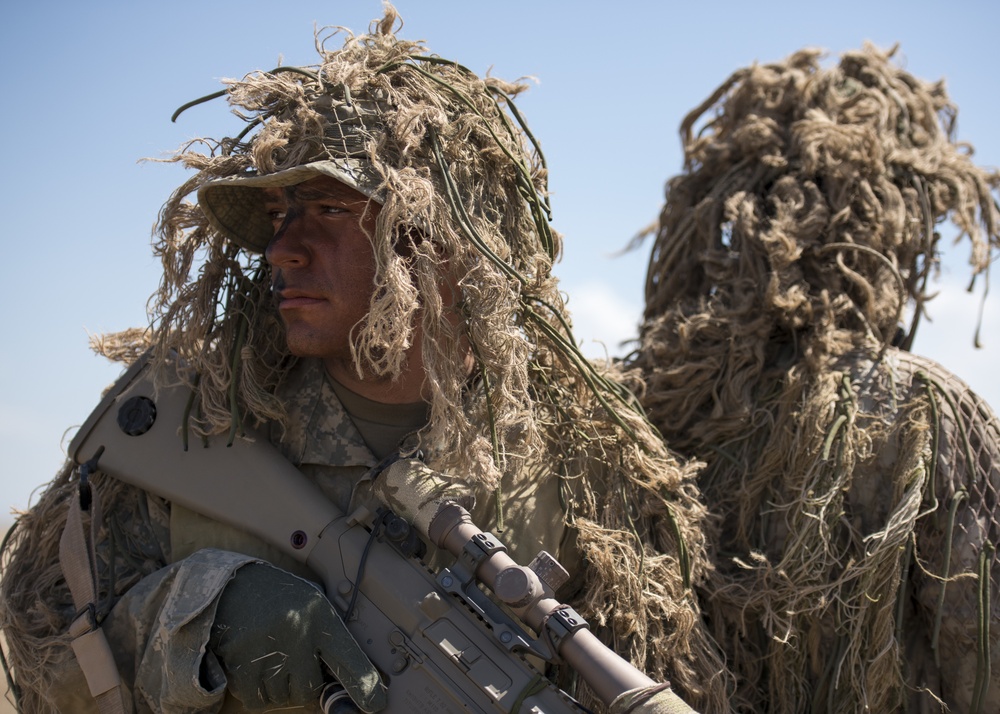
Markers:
point(804, 226)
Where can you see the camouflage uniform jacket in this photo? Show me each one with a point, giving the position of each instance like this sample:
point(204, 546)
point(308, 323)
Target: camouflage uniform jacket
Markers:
point(171, 564)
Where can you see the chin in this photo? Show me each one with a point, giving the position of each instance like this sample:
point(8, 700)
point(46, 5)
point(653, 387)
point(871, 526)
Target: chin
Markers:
point(305, 342)
point(318, 350)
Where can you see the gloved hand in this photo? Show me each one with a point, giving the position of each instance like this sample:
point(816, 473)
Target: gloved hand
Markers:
point(277, 638)
point(650, 700)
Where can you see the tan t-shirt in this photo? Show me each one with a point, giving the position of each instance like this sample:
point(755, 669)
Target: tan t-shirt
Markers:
point(383, 427)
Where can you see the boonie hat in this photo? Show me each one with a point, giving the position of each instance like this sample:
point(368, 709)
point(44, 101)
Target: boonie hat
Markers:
point(233, 204)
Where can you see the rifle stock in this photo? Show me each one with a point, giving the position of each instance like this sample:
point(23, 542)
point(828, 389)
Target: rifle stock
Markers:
point(440, 644)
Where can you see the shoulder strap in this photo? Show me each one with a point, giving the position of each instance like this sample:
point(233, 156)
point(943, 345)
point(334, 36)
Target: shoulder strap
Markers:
point(79, 565)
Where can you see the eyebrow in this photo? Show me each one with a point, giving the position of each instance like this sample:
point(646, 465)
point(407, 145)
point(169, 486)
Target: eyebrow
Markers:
point(310, 193)
point(272, 195)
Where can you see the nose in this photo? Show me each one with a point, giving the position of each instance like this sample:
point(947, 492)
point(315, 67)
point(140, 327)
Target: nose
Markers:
point(288, 246)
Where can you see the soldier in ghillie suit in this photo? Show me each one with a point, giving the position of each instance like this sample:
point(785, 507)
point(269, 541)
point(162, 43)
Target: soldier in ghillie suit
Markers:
point(855, 484)
point(414, 183)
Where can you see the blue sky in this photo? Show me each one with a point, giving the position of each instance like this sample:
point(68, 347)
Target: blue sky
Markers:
point(89, 88)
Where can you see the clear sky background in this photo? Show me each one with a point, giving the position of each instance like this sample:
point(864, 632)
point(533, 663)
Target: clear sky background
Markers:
point(88, 89)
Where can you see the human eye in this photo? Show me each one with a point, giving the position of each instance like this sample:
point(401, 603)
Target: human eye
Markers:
point(276, 214)
point(332, 208)
point(276, 208)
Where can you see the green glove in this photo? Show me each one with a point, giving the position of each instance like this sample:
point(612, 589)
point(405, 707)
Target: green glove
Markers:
point(279, 640)
point(659, 699)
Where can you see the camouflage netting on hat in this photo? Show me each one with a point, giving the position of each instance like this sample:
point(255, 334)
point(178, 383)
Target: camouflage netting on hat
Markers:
point(462, 188)
point(844, 472)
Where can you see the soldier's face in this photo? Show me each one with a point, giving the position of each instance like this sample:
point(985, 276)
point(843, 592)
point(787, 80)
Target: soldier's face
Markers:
point(323, 264)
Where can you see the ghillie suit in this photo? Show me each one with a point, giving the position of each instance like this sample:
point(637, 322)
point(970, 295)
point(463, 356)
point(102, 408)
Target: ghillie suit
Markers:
point(462, 188)
point(855, 484)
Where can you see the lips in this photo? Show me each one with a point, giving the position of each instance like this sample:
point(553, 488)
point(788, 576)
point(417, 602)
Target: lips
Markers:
point(291, 298)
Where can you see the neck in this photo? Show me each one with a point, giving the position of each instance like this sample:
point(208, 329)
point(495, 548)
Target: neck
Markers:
point(407, 388)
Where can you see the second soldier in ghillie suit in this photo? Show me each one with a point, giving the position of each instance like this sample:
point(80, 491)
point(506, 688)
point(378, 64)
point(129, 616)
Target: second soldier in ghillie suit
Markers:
point(463, 252)
point(855, 483)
